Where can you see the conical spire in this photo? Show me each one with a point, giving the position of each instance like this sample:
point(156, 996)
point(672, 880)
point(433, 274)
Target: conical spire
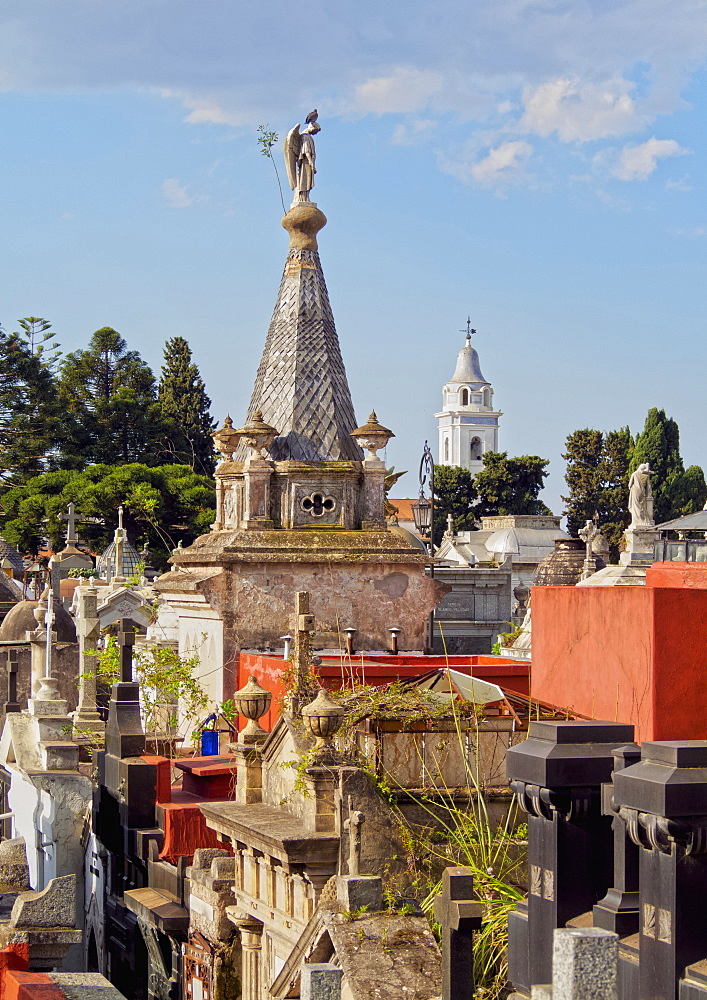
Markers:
point(301, 387)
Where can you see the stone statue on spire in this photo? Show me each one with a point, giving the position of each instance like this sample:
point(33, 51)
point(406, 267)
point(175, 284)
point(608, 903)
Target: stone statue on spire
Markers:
point(300, 157)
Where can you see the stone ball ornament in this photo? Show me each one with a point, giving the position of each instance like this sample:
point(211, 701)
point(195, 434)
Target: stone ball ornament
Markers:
point(322, 718)
point(372, 436)
point(252, 702)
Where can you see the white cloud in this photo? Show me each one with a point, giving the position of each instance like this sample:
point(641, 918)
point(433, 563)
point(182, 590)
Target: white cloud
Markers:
point(692, 231)
point(411, 132)
point(581, 112)
point(636, 163)
point(679, 184)
point(176, 194)
point(406, 89)
point(502, 165)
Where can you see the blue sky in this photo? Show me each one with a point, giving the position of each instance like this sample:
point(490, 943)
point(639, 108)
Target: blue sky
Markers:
point(537, 165)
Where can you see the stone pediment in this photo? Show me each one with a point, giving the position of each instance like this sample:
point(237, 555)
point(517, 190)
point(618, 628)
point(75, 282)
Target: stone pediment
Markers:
point(123, 603)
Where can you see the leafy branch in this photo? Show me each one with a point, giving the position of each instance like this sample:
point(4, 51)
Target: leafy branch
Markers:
point(266, 141)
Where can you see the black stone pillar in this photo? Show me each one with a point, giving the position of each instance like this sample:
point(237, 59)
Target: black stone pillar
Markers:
point(557, 775)
point(618, 910)
point(663, 801)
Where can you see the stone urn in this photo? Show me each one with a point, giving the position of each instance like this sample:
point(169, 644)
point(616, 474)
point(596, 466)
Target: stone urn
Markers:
point(252, 702)
point(322, 719)
point(372, 436)
point(226, 439)
point(256, 434)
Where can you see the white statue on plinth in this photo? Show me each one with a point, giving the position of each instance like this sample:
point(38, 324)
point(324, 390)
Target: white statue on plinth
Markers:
point(640, 498)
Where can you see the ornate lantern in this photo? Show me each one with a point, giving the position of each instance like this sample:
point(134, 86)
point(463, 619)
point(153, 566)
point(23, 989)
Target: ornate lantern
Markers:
point(322, 719)
point(422, 515)
point(252, 702)
point(372, 436)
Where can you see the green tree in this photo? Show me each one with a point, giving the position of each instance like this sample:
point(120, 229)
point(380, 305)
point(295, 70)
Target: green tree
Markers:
point(162, 505)
point(109, 403)
point(674, 492)
point(37, 333)
point(510, 485)
point(616, 452)
point(583, 452)
point(28, 410)
point(455, 495)
point(185, 409)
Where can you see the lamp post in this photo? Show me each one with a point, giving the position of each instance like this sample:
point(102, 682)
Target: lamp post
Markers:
point(423, 512)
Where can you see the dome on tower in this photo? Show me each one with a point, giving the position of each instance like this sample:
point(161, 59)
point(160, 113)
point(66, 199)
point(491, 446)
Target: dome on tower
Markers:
point(468, 368)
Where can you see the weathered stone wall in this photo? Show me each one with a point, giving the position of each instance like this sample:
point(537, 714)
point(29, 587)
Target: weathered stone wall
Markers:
point(65, 667)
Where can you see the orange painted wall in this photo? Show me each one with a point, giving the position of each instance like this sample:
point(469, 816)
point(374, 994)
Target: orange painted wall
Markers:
point(630, 654)
point(593, 652)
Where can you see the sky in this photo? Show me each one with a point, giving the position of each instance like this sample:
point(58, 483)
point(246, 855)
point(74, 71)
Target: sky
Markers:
point(538, 166)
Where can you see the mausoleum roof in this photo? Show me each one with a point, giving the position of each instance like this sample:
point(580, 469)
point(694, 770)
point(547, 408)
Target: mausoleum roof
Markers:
point(13, 557)
point(20, 620)
point(131, 560)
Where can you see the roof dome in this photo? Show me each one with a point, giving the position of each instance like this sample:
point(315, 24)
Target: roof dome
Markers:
point(14, 558)
point(407, 536)
point(563, 567)
point(468, 369)
point(131, 560)
point(20, 620)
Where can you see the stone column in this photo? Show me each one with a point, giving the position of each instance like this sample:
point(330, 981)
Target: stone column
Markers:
point(257, 474)
point(373, 498)
point(663, 801)
point(557, 774)
point(38, 645)
point(88, 630)
point(251, 947)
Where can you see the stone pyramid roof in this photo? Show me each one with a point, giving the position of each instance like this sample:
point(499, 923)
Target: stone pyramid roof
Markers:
point(301, 385)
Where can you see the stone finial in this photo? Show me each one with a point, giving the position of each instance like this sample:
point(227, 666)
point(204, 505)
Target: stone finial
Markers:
point(252, 702)
point(257, 434)
point(226, 439)
point(372, 436)
point(322, 718)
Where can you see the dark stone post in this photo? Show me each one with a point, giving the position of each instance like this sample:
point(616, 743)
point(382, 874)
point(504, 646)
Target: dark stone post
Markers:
point(12, 703)
point(618, 910)
point(124, 734)
point(557, 775)
point(459, 913)
point(663, 801)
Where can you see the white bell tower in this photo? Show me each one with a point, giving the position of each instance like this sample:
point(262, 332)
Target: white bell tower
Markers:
point(468, 423)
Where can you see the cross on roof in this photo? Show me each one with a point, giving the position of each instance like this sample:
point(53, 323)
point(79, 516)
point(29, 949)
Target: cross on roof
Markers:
point(70, 517)
point(469, 330)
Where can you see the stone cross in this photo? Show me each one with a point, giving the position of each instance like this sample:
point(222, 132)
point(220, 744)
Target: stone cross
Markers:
point(302, 629)
point(70, 517)
point(459, 913)
point(469, 330)
point(353, 825)
point(126, 641)
point(88, 630)
point(588, 533)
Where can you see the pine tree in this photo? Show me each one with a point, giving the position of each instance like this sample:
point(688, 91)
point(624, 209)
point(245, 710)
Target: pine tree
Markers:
point(109, 402)
point(185, 408)
point(40, 338)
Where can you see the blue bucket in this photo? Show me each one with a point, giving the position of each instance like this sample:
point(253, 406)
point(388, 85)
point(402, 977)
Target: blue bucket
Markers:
point(209, 744)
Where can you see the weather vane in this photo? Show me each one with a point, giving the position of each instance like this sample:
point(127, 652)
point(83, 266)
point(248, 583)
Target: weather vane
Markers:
point(469, 329)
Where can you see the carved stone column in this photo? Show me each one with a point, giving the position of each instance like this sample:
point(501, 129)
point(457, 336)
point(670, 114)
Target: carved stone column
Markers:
point(373, 496)
point(557, 774)
point(257, 474)
point(251, 952)
point(663, 801)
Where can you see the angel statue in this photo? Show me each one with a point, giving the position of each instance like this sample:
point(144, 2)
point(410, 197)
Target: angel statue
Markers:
point(300, 157)
point(640, 498)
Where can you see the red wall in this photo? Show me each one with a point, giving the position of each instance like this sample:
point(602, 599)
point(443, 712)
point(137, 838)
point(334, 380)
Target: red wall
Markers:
point(627, 654)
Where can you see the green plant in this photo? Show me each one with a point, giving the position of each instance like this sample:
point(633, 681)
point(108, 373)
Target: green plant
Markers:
point(168, 689)
point(77, 574)
point(266, 141)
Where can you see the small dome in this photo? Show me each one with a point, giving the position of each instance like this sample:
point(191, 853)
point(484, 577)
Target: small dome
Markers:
point(13, 557)
point(407, 536)
point(468, 369)
point(563, 567)
point(20, 620)
point(131, 560)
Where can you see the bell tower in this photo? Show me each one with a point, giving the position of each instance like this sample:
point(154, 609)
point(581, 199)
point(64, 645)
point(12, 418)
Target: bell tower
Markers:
point(468, 422)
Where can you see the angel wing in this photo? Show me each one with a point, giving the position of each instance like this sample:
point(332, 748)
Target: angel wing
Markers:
point(293, 144)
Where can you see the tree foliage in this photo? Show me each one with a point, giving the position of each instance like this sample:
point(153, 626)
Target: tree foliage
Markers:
point(162, 505)
point(184, 406)
point(675, 492)
point(504, 486)
point(107, 394)
point(38, 335)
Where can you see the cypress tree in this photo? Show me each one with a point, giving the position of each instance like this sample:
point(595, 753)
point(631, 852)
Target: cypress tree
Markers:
point(185, 405)
point(659, 445)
